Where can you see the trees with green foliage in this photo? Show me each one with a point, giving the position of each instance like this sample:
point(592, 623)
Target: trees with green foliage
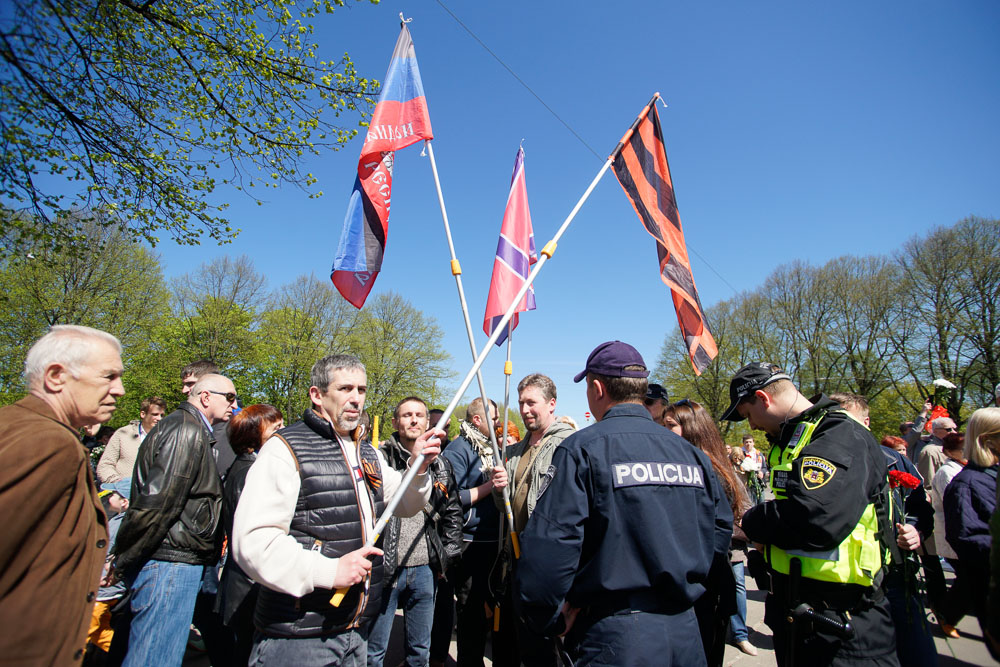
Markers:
point(401, 348)
point(267, 343)
point(117, 286)
point(144, 108)
point(304, 321)
point(881, 326)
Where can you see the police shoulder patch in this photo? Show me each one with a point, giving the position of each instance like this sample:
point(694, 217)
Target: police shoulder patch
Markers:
point(546, 480)
point(816, 472)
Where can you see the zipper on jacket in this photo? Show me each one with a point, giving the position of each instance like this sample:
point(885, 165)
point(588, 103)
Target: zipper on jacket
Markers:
point(362, 601)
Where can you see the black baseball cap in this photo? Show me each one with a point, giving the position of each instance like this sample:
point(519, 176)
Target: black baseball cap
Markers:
point(656, 391)
point(747, 380)
point(611, 358)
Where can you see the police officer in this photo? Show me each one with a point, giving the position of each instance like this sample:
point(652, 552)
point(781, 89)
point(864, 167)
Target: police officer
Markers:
point(821, 534)
point(622, 536)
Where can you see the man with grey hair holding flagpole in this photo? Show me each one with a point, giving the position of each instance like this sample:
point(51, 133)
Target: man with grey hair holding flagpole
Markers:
point(309, 505)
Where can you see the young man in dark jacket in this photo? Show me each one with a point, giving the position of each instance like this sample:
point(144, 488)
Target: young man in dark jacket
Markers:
point(418, 549)
point(172, 529)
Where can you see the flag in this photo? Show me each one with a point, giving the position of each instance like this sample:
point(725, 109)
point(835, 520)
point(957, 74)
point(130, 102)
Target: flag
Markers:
point(515, 255)
point(400, 119)
point(642, 169)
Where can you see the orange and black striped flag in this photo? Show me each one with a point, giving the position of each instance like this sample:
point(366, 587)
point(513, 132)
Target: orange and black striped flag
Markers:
point(640, 163)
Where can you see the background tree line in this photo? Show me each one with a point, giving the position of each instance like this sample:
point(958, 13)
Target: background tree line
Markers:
point(266, 340)
point(884, 326)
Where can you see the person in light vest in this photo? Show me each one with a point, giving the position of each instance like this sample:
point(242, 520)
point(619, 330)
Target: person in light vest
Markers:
point(823, 535)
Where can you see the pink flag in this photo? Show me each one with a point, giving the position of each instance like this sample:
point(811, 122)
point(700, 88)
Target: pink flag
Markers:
point(515, 255)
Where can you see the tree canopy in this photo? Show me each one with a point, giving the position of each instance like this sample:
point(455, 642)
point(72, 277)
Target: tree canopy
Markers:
point(883, 326)
point(266, 341)
point(142, 109)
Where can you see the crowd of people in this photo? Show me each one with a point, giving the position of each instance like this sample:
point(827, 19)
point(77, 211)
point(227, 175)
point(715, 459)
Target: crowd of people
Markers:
point(626, 542)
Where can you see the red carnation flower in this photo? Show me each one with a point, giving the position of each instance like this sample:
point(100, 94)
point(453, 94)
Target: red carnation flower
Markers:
point(898, 478)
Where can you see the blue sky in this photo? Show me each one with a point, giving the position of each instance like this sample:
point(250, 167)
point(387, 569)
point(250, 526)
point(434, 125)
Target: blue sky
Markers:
point(794, 131)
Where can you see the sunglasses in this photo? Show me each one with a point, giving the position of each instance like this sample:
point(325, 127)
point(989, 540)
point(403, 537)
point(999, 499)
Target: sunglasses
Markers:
point(230, 396)
point(685, 401)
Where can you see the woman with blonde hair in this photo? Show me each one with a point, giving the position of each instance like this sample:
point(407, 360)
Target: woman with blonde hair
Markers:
point(969, 501)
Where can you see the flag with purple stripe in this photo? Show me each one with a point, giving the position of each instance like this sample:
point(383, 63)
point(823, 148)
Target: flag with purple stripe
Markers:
point(515, 255)
point(400, 119)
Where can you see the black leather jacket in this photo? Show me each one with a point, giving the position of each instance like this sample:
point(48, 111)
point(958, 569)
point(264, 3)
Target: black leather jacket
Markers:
point(176, 496)
point(444, 511)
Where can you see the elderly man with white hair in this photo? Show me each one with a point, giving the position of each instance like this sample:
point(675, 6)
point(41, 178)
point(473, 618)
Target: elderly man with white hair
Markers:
point(54, 538)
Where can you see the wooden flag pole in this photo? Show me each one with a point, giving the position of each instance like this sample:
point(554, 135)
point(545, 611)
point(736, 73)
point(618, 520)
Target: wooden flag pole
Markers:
point(546, 253)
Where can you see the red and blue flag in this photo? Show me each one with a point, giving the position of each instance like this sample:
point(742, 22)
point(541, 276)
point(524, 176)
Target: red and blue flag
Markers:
point(400, 119)
point(515, 255)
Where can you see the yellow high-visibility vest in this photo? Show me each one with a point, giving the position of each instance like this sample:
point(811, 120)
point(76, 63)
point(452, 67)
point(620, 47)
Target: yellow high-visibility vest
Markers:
point(856, 560)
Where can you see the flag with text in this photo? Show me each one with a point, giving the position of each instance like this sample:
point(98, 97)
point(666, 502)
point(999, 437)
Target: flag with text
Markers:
point(400, 119)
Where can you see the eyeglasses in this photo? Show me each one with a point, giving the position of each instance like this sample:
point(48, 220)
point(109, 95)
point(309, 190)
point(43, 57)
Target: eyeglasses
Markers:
point(230, 396)
point(685, 401)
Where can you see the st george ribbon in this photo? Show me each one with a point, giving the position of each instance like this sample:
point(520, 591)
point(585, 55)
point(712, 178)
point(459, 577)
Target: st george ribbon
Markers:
point(642, 169)
point(515, 256)
point(400, 119)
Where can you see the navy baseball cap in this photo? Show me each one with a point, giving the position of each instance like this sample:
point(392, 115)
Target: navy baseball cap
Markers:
point(656, 391)
point(611, 358)
point(747, 380)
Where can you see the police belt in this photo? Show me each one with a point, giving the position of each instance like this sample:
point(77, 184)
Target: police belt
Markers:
point(826, 595)
point(647, 601)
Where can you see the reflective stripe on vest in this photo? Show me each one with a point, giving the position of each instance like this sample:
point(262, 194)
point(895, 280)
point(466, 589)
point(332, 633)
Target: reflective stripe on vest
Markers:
point(857, 559)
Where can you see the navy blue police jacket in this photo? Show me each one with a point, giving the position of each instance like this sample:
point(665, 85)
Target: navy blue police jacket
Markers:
point(630, 509)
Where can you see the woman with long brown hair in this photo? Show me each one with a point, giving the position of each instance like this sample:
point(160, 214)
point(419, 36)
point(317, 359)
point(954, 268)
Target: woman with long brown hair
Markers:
point(721, 600)
point(248, 430)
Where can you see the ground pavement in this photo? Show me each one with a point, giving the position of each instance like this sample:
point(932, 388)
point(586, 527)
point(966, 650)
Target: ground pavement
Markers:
point(967, 650)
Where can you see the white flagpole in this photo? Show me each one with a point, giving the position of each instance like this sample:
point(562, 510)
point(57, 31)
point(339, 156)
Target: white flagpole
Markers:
point(456, 270)
point(546, 253)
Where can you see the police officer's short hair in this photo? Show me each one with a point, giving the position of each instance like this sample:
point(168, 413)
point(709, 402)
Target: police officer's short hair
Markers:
point(623, 390)
point(542, 383)
point(776, 388)
point(850, 401)
point(476, 408)
point(322, 371)
point(416, 399)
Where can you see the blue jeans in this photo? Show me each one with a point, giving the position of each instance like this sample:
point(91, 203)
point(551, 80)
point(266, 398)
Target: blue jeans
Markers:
point(914, 643)
point(163, 597)
point(344, 649)
point(413, 589)
point(738, 621)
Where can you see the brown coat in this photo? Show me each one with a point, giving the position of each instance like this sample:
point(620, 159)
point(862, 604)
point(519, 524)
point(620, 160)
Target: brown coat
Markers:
point(53, 539)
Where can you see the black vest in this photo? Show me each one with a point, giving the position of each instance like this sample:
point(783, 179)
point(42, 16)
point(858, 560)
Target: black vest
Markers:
point(328, 519)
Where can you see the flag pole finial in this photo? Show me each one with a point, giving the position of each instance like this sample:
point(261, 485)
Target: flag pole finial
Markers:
point(405, 21)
